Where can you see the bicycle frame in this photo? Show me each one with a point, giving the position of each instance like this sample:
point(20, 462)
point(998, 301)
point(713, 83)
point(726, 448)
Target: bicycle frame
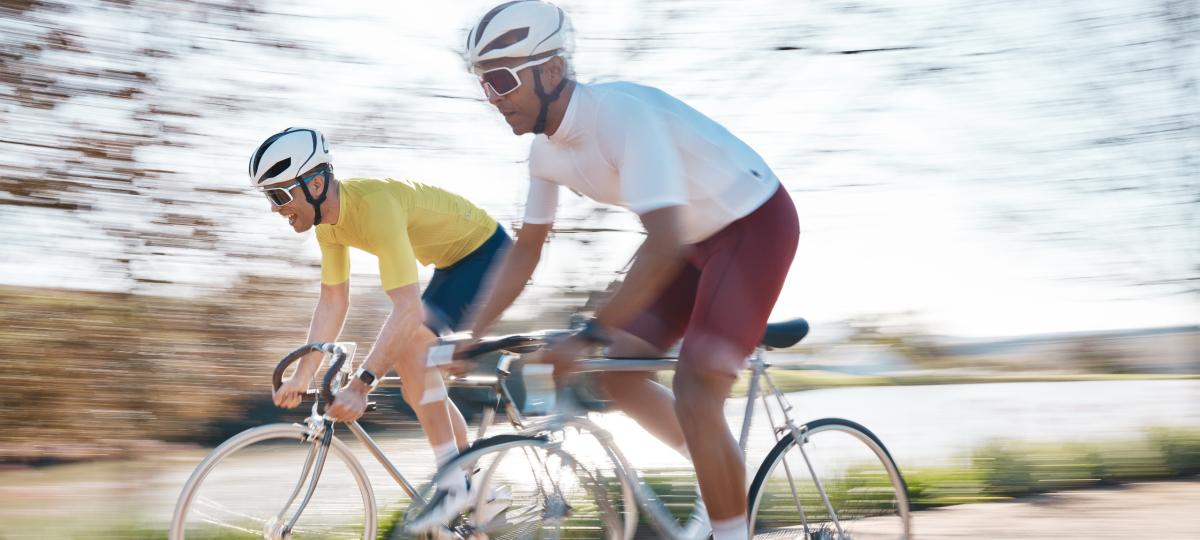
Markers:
point(321, 428)
point(646, 498)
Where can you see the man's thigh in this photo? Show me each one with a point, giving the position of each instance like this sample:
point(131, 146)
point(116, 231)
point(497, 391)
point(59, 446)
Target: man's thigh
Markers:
point(741, 273)
point(665, 320)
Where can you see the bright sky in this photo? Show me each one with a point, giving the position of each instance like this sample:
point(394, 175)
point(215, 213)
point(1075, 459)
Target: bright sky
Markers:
point(895, 182)
point(914, 245)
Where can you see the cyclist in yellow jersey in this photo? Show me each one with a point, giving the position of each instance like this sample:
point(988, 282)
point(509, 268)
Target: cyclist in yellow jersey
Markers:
point(402, 223)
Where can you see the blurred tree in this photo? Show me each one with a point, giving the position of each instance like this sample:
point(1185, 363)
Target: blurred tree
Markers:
point(90, 90)
point(95, 89)
point(901, 333)
point(1098, 354)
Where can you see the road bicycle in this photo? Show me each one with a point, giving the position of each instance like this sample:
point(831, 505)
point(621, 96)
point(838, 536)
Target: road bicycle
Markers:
point(826, 479)
point(301, 480)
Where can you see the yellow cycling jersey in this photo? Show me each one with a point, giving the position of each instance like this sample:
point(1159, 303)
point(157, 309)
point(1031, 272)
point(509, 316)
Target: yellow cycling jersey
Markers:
point(400, 222)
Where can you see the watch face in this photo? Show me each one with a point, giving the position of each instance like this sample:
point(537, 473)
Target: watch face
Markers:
point(366, 377)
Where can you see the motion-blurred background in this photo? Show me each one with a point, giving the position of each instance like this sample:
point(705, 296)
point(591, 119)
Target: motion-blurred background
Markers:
point(999, 208)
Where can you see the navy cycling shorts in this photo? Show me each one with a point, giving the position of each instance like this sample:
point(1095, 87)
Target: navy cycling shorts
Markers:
point(454, 289)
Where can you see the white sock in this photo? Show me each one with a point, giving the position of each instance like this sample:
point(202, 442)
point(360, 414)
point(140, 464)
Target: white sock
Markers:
point(731, 529)
point(444, 453)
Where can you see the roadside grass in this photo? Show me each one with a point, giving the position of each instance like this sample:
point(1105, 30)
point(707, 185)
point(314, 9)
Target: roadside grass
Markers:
point(1004, 470)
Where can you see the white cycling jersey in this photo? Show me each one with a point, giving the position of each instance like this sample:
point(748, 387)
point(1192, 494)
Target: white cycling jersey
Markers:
point(640, 148)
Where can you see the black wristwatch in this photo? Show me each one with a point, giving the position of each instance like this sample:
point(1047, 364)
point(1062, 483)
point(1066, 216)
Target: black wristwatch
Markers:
point(367, 378)
point(593, 333)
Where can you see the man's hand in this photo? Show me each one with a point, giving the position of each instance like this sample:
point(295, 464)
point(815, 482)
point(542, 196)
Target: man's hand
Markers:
point(563, 354)
point(291, 392)
point(455, 367)
point(349, 404)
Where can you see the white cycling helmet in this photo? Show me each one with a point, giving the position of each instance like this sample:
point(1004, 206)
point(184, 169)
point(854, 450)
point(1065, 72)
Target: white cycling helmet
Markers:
point(286, 155)
point(518, 29)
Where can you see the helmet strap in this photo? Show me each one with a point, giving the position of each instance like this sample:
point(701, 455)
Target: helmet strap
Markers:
point(546, 99)
point(316, 203)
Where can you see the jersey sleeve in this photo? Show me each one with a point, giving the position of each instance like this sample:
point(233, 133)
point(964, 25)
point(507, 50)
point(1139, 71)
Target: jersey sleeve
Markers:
point(335, 261)
point(542, 201)
point(387, 234)
point(642, 149)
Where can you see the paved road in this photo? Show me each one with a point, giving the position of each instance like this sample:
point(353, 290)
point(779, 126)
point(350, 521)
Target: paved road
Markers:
point(1159, 510)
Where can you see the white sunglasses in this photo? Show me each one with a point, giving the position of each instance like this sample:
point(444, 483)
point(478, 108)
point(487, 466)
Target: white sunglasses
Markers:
point(280, 196)
point(504, 80)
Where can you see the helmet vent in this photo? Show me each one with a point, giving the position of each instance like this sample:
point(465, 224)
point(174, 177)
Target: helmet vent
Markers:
point(262, 149)
point(277, 168)
point(506, 39)
point(487, 18)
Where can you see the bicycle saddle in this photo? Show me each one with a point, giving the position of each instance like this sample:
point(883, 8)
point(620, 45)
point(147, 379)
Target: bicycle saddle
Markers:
point(785, 334)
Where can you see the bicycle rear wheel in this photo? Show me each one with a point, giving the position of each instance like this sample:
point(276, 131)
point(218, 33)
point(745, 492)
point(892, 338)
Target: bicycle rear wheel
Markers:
point(529, 488)
point(242, 489)
point(838, 483)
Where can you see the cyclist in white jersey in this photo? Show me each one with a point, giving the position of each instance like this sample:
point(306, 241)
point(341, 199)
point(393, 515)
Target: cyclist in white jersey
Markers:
point(721, 235)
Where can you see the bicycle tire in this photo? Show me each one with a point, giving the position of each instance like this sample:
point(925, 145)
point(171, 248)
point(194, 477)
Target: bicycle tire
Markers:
point(245, 468)
point(864, 486)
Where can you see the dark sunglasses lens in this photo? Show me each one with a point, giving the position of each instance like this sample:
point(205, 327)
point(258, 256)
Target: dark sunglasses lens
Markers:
point(501, 80)
point(278, 196)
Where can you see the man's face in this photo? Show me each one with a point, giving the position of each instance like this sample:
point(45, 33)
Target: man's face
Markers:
point(520, 107)
point(299, 213)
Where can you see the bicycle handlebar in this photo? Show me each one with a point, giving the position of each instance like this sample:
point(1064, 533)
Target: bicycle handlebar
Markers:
point(515, 343)
point(339, 358)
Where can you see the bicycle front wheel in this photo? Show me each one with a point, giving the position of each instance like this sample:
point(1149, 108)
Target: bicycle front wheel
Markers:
point(529, 488)
point(838, 482)
point(252, 485)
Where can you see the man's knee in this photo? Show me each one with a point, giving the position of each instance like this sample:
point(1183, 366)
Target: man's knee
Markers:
point(411, 395)
point(700, 393)
point(424, 391)
point(708, 363)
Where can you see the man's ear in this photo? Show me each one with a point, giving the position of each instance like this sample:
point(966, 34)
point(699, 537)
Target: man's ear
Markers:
point(557, 68)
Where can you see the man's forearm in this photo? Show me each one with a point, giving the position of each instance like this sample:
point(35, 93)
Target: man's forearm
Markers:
point(398, 331)
point(515, 271)
point(656, 263)
point(326, 326)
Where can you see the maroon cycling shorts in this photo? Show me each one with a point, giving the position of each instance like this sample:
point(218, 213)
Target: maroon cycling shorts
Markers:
point(726, 290)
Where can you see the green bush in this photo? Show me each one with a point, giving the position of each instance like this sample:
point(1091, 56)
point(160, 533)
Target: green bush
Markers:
point(1003, 470)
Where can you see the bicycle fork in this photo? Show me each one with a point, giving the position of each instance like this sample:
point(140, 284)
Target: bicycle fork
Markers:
point(319, 435)
point(799, 435)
